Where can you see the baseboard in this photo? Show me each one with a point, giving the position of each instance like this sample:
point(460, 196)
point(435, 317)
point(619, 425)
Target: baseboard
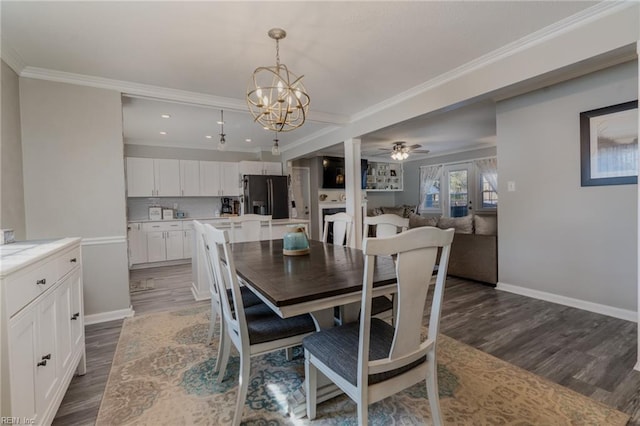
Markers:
point(108, 316)
point(197, 295)
point(569, 301)
point(159, 264)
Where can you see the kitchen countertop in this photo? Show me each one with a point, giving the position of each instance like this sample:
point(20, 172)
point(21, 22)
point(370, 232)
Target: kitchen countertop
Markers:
point(288, 221)
point(17, 255)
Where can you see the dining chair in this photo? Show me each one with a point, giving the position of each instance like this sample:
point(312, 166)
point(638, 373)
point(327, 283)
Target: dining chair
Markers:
point(251, 225)
point(204, 265)
point(384, 225)
point(371, 359)
point(342, 224)
point(253, 330)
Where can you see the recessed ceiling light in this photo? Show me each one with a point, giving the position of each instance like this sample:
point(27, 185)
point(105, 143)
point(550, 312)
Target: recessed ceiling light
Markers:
point(247, 140)
point(163, 133)
point(165, 116)
point(266, 128)
point(220, 122)
point(208, 136)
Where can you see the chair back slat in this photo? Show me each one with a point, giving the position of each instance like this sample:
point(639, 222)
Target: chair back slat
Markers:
point(226, 277)
point(342, 224)
point(386, 224)
point(251, 225)
point(416, 252)
point(204, 259)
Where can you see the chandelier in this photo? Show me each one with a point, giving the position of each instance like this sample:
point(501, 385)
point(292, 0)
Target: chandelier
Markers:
point(221, 144)
point(400, 152)
point(276, 97)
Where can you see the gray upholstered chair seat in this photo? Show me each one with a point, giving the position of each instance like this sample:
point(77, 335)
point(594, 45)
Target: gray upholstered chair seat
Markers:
point(338, 349)
point(249, 298)
point(380, 304)
point(264, 325)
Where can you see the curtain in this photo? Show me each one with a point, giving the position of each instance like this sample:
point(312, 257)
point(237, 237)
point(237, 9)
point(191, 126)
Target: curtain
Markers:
point(428, 175)
point(488, 168)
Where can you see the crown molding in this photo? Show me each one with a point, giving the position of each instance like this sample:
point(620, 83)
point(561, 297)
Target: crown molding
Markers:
point(11, 58)
point(312, 136)
point(147, 91)
point(191, 145)
point(556, 29)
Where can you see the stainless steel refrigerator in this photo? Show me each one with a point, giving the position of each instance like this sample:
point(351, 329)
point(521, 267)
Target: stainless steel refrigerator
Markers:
point(266, 195)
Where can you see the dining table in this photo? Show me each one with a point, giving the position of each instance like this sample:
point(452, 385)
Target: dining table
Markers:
point(328, 276)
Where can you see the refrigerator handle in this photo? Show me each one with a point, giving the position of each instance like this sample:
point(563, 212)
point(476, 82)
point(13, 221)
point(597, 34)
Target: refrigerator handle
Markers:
point(270, 196)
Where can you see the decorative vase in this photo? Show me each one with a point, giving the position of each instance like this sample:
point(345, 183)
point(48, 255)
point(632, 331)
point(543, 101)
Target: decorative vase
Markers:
point(295, 241)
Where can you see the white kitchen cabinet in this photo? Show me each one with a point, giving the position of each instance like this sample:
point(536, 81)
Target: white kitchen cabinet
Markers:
point(219, 178)
point(189, 178)
point(164, 240)
point(140, 177)
point(137, 240)
point(149, 177)
point(42, 327)
point(188, 242)
point(260, 168)
point(230, 179)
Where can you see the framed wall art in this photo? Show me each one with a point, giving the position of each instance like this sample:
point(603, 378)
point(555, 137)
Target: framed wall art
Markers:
point(609, 145)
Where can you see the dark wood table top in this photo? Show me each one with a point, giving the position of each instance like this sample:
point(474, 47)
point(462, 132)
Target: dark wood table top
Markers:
point(328, 271)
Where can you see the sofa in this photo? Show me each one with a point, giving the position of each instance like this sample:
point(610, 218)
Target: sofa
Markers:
point(474, 251)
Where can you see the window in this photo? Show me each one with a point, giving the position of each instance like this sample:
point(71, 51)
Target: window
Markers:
point(430, 189)
point(487, 170)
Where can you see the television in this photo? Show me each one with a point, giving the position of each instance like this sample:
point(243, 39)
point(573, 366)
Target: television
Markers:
point(333, 172)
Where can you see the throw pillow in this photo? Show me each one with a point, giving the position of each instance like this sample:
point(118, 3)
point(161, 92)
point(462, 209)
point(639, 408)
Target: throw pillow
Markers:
point(462, 225)
point(393, 210)
point(486, 225)
point(416, 221)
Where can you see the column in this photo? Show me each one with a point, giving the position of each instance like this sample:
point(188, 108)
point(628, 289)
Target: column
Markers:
point(352, 188)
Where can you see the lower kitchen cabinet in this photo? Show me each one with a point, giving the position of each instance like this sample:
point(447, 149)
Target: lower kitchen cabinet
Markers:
point(43, 325)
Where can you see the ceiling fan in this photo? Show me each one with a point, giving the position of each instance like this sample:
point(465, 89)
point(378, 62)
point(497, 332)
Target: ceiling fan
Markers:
point(400, 150)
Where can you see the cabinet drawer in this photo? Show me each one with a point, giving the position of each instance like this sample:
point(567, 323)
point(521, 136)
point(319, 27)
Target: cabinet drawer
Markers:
point(23, 288)
point(174, 225)
point(67, 261)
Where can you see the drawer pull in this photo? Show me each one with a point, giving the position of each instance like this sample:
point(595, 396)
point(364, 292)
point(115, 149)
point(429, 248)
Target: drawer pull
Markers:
point(41, 282)
point(41, 363)
point(47, 356)
point(73, 260)
point(75, 316)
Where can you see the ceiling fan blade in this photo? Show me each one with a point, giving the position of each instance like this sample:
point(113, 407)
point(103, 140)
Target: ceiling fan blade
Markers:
point(413, 147)
point(421, 151)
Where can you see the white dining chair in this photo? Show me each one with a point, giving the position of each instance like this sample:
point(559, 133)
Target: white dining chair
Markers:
point(371, 359)
point(253, 330)
point(251, 226)
point(204, 263)
point(342, 224)
point(384, 225)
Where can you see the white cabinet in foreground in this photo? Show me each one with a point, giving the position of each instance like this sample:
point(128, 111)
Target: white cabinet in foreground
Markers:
point(42, 327)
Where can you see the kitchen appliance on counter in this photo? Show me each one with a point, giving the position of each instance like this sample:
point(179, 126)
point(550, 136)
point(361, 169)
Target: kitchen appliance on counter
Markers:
point(266, 195)
point(226, 206)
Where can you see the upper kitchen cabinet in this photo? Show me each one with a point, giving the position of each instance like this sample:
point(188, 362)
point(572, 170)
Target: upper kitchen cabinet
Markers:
point(190, 178)
point(219, 178)
point(148, 177)
point(260, 168)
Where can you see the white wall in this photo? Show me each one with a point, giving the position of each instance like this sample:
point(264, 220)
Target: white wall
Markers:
point(11, 189)
point(556, 236)
point(74, 181)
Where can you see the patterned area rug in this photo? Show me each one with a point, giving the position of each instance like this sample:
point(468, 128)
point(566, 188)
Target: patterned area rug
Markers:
point(162, 375)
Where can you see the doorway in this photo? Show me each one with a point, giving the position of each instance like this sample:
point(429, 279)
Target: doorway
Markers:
point(300, 193)
point(458, 179)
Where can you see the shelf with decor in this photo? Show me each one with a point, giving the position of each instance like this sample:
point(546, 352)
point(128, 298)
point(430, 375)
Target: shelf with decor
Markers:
point(384, 176)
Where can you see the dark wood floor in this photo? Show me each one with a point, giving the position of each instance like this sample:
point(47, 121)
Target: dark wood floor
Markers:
point(589, 353)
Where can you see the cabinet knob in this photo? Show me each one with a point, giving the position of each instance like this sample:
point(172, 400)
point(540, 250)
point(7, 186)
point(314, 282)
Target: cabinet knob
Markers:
point(47, 356)
point(73, 260)
point(75, 316)
point(41, 363)
point(41, 282)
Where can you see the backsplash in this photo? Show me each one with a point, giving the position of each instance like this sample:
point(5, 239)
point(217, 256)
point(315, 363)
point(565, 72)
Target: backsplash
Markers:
point(138, 208)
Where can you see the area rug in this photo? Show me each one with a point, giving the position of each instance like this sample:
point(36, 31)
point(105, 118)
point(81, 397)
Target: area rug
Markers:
point(162, 374)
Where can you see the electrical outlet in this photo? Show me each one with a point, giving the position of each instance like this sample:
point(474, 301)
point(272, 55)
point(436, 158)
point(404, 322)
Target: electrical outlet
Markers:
point(511, 186)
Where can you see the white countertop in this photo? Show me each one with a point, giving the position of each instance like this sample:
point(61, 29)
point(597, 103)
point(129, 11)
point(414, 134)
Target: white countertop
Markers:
point(17, 255)
point(287, 221)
